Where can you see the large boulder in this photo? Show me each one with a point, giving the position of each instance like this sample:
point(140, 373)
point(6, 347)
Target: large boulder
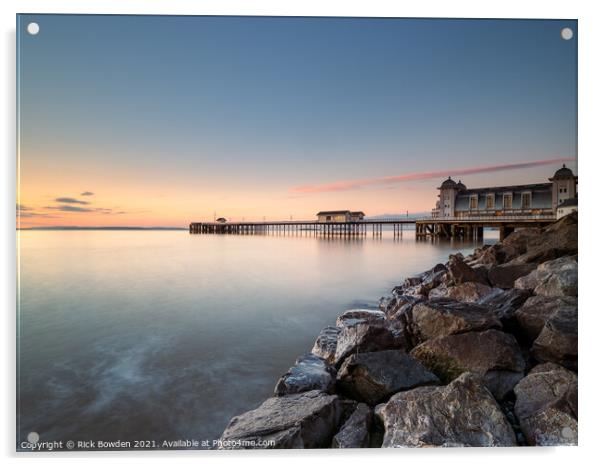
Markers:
point(504, 304)
point(536, 311)
point(374, 377)
point(303, 420)
point(558, 341)
point(557, 240)
point(310, 372)
point(504, 276)
point(511, 247)
point(468, 292)
point(492, 354)
point(440, 317)
point(366, 335)
point(326, 343)
point(355, 432)
point(557, 277)
point(459, 272)
point(462, 413)
point(546, 406)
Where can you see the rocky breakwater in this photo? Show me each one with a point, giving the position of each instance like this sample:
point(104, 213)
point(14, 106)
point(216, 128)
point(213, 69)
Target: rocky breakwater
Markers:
point(480, 351)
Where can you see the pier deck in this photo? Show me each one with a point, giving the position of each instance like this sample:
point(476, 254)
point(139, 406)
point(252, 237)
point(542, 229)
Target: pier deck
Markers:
point(309, 227)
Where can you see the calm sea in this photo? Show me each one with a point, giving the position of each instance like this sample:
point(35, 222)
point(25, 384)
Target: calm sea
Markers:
point(162, 335)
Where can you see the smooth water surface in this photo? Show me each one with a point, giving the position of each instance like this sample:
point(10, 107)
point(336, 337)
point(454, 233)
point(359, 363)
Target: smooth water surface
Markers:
point(163, 335)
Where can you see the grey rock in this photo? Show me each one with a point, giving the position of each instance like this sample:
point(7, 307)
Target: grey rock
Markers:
point(492, 354)
point(354, 316)
point(462, 413)
point(557, 277)
point(355, 432)
point(546, 406)
point(374, 377)
point(326, 343)
point(459, 272)
point(310, 372)
point(504, 276)
point(468, 292)
point(536, 311)
point(363, 336)
point(504, 304)
point(556, 240)
point(558, 340)
point(303, 420)
point(441, 317)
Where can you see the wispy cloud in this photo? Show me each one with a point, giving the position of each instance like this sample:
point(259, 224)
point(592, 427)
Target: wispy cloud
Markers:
point(24, 211)
point(72, 208)
point(70, 200)
point(87, 193)
point(348, 185)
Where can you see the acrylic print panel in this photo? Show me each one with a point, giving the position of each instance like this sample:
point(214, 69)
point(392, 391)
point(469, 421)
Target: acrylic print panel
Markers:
point(269, 232)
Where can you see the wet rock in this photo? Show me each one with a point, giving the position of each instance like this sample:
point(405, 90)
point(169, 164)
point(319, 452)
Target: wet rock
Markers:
point(363, 336)
point(326, 343)
point(553, 278)
point(459, 272)
point(374, 377)
point(440, 317)
point(504, 276)
point(558, 341)
point(424, 283)
point(304, 420)
point(462, 413)
point(353, 316)
point(355, 432)
point(504, 304)
point(310, 372)
point(492, 354)
point(468, 292)
point(536, 311)
point(546, 406)
point(401, 306)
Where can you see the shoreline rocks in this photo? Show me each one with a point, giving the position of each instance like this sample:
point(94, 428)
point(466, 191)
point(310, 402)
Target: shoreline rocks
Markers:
point(462, 413)
point(480, 351)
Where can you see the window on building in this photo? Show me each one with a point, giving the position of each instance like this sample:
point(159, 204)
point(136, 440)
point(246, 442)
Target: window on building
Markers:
point(490, 201)
point(474, 202)
point(526, 201)
point(507, 201)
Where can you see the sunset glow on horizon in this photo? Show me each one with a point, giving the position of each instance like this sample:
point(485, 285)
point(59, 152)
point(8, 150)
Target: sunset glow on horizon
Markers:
point(162, 121)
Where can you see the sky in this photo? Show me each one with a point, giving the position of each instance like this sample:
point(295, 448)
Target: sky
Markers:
point(165, 120)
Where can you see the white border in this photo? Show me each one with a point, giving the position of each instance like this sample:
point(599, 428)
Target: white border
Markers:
point(590, 173)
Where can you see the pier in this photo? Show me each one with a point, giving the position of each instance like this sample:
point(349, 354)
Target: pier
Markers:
point(307, 228)
point(472, 227)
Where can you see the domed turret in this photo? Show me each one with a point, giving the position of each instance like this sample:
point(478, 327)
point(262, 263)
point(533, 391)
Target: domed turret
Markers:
point(461, 186)
point(449, 183)
point(563, 173)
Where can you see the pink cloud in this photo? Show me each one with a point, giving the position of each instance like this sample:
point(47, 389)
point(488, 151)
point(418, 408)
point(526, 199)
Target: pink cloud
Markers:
point(347, 185)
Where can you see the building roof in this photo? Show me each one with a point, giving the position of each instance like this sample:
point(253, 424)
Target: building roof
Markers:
point(329, 212)
point(563, 173)
point(515, 188)
point(569, 202)
point(449, 183)
point(357, 212)
point(461, 185)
